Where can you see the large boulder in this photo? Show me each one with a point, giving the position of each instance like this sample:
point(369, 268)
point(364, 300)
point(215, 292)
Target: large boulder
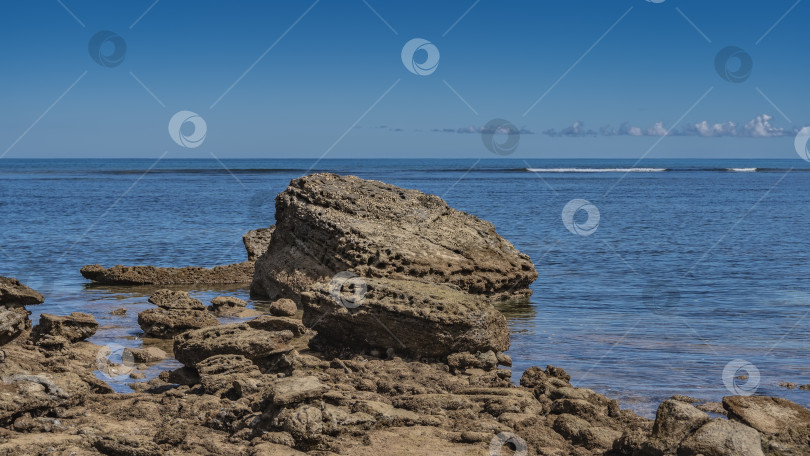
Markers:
point(15, 294)
point(257, 241)
point(720, 437)
point(785, 426)
point(55, 330)
point(423, 319)
point(327, 224)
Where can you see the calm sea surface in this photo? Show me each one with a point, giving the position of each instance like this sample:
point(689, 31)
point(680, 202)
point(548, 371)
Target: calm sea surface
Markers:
point(693, 264)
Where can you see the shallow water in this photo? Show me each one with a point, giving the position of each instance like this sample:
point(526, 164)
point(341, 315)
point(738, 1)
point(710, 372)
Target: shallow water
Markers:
point(729, 249)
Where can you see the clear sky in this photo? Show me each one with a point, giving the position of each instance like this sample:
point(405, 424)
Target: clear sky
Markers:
point(297, 79)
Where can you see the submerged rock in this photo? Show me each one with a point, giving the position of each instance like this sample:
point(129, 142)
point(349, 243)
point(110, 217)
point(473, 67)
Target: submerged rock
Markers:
point(151, 275)
point(15, 294)
point(54, 330)
point(328, 224)
point(421, 319)
point(257, 241)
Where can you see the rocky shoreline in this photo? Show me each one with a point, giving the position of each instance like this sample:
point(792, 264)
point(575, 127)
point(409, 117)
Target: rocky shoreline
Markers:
point(382, 338)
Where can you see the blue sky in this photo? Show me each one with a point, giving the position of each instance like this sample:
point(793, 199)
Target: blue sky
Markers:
point(340, 66)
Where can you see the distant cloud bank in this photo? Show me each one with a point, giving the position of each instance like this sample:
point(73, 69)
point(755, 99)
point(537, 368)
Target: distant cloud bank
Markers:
point(758, 127)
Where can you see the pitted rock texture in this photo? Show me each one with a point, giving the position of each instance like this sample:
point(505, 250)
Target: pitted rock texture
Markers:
point(418, 318)
point(326, 224)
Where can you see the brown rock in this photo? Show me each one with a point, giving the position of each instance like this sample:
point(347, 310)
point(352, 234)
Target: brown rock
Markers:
point(12, 323)
point(268, 323)
point(232, 339)
point(720, 437)
point(283, 307)
point(225, 306)
point(147, 354)
point(257, 241)
point(292, 390)
point(15, 294)
point(422, 319)
point(784, 424)
point(151, 275)
point(675, 420)
point(54, 330)
point(328, 224)
point(165, 324)
point(175, 300)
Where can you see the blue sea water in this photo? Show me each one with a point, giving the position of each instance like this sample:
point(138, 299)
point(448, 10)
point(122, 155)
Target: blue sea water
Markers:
point(693, 264)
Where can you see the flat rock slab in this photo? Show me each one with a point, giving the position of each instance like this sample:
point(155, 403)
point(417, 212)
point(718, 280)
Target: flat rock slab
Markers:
point(291, 390)
point(168, 299)
point(328, 223)
point(61, 330)
point(771, 415)
point(147, 354)
point(151, 275)
point(165, 324)
point(231, 339)
point(15, 294)
point(422, 319)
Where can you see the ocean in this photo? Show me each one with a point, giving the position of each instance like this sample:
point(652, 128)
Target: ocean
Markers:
point(674, 278)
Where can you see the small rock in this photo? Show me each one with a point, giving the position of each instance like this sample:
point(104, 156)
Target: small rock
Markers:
point(137, 375)
point(227, 305)
point(54, 330)
point(296, 389)
point(146, 355)
point(804, 387)
point(15, 294)
point(12, 323)
point(257, 241)
point(119, 311)
point(675, 420)
point(179, 300)
point(181, 376)
point(787, 385)
point(283, 307)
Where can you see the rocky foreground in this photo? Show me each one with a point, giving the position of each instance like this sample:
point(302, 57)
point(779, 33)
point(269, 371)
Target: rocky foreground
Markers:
point(382, 340)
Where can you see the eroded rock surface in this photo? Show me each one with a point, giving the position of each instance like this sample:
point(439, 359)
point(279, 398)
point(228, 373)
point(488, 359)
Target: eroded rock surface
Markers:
point(165, 324)
point(151, 275)
point(418, 318)
point(57, 331)
point(257, 241)
point(327, 223)
point(15, 294)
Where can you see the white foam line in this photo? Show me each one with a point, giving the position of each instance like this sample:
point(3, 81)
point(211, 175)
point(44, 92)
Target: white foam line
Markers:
point(596, 170)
